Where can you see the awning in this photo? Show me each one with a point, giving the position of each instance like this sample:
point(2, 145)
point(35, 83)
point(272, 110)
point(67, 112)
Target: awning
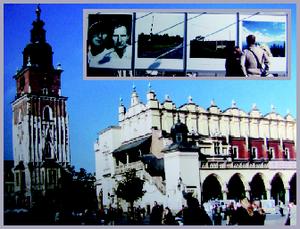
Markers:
point(143, 142)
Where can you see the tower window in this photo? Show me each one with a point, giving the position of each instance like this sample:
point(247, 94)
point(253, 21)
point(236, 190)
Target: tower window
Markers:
point(52, 176)
point(271, 153)
point(22, 83)
point(217, 148)
point(17, 179)
point(254, 153)
point(179, 137)
point(47, 114)
point(45, 91)
point(235, 151)
point(286, 153)
point(42, 177)
point(20, 116)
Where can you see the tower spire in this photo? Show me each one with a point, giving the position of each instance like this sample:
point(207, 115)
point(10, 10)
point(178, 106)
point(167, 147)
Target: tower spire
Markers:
point(38, 50)
point(38, 34)
point(38, 12)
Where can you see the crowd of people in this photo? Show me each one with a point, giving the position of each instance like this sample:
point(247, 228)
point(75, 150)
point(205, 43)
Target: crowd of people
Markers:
point(254, 61)
point(244, 212)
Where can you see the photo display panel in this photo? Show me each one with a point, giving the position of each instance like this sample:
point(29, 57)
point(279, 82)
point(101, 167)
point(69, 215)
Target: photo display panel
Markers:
point(270, 31)
point(208, 36)
point(109, 43)
point(159, 41)
point(180, 44)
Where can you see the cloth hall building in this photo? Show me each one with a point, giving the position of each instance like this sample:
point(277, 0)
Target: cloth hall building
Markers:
point(210, 153)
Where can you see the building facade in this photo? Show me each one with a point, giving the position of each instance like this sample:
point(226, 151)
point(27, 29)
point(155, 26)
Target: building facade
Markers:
point(40, 120)
point(210, 153)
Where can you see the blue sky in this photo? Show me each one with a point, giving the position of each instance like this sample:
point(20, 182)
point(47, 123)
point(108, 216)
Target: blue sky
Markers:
point(93, 105)
point(265, 31)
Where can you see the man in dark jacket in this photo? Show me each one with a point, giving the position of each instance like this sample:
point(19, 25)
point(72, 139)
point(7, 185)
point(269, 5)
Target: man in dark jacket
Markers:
point(194, 214)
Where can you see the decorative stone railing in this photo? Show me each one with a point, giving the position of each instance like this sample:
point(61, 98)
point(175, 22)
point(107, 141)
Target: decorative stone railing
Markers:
point(234, 164)
point(248, 165)
point(138, 165)
point(282, 164)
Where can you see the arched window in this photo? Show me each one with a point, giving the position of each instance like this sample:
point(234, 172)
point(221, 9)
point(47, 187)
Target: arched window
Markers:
point(47, 114)
point(253, 153)
point(271, 153)
point(235, 152)
point(286, 153)
point(20, 116)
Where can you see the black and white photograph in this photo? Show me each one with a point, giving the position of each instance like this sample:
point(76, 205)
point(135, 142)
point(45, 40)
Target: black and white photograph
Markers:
point(109, 43)
point(159, 41)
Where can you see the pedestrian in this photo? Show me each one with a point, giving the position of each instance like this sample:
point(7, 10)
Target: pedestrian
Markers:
point(259, 215)
point(168, 218)
point(119, 215)
point(87, 217)
point(255, 61)
point(229, 214)
point(194, 215)
point(57, 217)
point(156, 214)
point(292, 214)
point(233, 64)
point(138, 215)
point(217, 217)
point(243, 213)
point(281, 208)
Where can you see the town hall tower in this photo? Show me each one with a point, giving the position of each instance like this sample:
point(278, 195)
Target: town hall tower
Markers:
point(40, 120)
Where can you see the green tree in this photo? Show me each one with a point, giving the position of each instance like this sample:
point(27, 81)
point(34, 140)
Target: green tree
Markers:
point(77, 190)
point(130, 188)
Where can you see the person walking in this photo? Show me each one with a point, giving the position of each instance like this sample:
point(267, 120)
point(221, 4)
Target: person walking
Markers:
point(156, 214)
point(168, 218)
point(194, 214)
point(281, 208)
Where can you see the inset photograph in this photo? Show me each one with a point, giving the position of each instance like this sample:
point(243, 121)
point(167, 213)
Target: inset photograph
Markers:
point(269, 32)
point(213, 43)
point(109, 44)
point(159, 39)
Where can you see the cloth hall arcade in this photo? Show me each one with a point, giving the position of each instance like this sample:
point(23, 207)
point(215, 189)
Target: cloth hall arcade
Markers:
point(211, 153)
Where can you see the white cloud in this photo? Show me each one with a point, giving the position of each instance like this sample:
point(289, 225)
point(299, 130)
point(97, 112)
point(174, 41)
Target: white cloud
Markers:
point(263, 37)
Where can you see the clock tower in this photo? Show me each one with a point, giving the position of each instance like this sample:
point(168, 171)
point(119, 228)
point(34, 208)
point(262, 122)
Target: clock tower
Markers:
point(40, 120)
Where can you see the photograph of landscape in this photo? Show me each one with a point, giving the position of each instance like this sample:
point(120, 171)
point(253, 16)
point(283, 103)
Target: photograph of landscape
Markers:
point(271, 34)
point(210, 34)
point(160, 35)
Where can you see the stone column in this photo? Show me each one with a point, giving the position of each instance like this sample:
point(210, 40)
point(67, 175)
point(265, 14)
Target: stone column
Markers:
point(287, 195)
point(127, 159)
point(224, 191)
point(247, 192)
point(268, 193)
